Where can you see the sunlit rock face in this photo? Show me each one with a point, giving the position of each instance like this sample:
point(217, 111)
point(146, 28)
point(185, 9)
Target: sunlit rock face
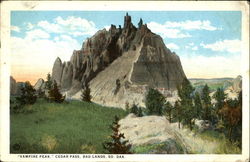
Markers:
point(120, 65)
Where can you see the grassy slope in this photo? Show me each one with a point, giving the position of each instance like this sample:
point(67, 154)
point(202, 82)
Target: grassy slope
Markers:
point(80, 127)
point(223, 146)
point(76, 127)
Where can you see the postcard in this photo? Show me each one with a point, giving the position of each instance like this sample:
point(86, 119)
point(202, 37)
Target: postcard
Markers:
point(124, 81)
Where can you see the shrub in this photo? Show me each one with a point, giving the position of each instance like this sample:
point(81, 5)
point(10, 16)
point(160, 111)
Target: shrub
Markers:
point(127, 107)
point(15, 105)
point(154, 102)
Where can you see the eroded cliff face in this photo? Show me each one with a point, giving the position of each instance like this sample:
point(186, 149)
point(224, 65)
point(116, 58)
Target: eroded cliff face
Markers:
point(120, 64)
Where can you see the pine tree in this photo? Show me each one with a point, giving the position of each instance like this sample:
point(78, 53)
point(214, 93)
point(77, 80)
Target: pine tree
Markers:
point(118, 144)
point(154, 102)
point(178, 112)
point(134, 109)
point(169, 109)
point(86, 94)
point(219, 96)
point(48, 83)
point(186, 102)
point(197, 105)
point(55, 95)
point(139, 114)
point(28, 94)
point(206, 103)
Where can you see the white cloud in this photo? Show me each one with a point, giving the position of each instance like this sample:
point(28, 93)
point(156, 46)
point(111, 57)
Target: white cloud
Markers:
point(30, 26)
point(211, 67)
point(49, 27)
point(173, 46)
point(166, 32)
point(195, 48)
point(37, 34)
point(107, 27)
point(191, 46)
point(175, 29)
point(15, 28)
point(39, 54)
point(74, 26)
point(191, 25)
point(231, 46)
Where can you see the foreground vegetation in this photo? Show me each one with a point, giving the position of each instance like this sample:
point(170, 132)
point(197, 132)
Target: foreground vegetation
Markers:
point(75, 127)
point(46, 123)
point(223, 145)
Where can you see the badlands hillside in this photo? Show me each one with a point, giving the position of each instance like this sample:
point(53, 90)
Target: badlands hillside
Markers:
point(120, 65)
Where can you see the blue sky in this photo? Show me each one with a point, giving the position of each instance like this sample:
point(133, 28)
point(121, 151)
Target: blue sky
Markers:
point(208, 43)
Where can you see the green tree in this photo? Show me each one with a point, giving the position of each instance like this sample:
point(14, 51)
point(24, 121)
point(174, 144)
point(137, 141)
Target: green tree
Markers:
point(219, 97)
point(28, 94)
point(48, 83)
point(55, 95)
point(168, 108)
point(197, 105)
point(186, 102)
point(232, 116)
point(206, 103)
point(86, 94)
point(136, 110)
point(177, 112)
point(118, 144)
point(139, 114)
point(154, 102)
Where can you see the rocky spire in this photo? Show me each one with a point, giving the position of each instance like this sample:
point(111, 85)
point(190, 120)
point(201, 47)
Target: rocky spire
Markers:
point(140, 23)
point(127, 20)
point(57, 70)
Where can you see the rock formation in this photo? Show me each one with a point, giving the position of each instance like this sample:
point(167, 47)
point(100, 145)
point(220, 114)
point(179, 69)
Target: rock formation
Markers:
point(233, 91)
point(40, 84)
point(237, 84)
point(152, 130)
point(13, 86)
point(120, 64)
